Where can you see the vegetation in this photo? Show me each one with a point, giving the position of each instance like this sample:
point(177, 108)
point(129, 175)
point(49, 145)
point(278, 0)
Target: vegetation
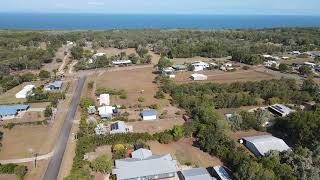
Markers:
point(121, 93)
point(102, 164)
point(19, 170)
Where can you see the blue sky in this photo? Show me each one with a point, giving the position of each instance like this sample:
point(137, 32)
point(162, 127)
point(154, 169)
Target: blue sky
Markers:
point(281, 7)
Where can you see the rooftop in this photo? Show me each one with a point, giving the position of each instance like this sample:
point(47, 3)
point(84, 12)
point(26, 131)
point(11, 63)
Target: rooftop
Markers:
point(8, 110)
point(196, 174)
point(149, 112)
point(131, 168)
point(222, 173)
point(56, 84)
point(282, 109)
point(141, 154)
point(266, 143)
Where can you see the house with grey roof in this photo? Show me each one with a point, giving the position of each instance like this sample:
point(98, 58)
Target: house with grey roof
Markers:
point(144, 166)
point(10, 111)
point(56, 85)
point(280, 109)
point(261, 145)
point(196, 174)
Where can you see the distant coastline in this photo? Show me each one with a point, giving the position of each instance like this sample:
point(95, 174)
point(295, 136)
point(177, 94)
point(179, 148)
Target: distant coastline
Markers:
point(85, 21)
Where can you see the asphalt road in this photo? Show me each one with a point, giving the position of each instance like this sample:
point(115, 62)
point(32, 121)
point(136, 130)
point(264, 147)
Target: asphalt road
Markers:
point(52, 171)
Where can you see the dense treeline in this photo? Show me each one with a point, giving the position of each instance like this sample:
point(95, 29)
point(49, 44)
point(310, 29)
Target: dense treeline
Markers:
point(239, 93)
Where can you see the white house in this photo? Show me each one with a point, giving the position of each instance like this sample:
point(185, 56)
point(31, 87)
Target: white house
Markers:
point(25, 92)
point(149, 115)
point(120, 127)
point(199, 65)
point(199, 77)
point(104, 99)
point(10, 111)
point(100, 129)
point(106, 111)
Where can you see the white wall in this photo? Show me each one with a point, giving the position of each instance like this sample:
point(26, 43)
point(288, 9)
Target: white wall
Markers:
point(149, 118)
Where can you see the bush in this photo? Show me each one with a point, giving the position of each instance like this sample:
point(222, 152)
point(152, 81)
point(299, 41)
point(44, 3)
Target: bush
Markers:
point(245, 67)
point(159, 95)
point(9, 126)
point(58, 60)
point(20, 171)
point(164, 137)
point(141, 99)
point(154, 106)
point(44, 74)
point(102, 164)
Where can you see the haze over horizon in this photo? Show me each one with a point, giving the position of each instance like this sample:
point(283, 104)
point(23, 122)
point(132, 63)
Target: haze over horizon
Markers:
point(229, 7)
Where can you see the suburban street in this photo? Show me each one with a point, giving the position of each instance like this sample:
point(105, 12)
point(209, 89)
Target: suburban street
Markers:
point(60, 146)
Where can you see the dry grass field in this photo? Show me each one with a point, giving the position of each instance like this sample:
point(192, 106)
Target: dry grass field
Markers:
point(184, 151)
point(218, 76)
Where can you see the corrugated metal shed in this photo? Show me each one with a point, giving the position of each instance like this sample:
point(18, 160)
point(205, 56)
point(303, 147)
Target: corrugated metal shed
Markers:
point(260, 145)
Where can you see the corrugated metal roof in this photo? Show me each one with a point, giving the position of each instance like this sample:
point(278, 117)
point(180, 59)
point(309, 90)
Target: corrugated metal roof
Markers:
point(222, 173)
point(149, 112)
point(141, 153)
point(267, 143)
point(9, 110)
point(197, 174)
point(282, 109)
point(55, 84)
point(153, 165)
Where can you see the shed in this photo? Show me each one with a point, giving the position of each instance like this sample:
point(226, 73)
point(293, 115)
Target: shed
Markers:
point(106, 111)
point(221, 173)
point(280, 109)
point(56, 85)
point(149, 114)
point(104, 99)
point(25, 92)
point(199, 77)
point(121, 62)
point(100, 129)
point(260, 145)
point(119, 127)
point(196, 174)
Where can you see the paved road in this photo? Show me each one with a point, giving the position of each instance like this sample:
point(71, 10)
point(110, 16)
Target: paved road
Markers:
point(60, 146)
point(24, 160)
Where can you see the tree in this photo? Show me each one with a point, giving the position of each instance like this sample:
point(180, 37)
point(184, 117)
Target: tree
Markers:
point(20, 171)
point(48, 111)
point(163, 63)
point(77, 52)
point(177, 132)
point(102, 164)
point(262, 116)
point(305, 70)
point(44, 74)
point(235, 121)
point(283, 67)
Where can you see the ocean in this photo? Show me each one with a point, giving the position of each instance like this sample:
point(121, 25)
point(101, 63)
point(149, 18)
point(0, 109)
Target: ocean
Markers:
point(108, 21)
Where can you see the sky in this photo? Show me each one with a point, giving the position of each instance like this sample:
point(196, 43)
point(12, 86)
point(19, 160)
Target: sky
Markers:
point(227, 7)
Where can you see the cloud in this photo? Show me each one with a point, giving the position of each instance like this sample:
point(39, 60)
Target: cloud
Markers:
point(93, 3)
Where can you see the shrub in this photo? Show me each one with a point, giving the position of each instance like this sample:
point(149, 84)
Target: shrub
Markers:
point(20, 171)
point(102, 164)
point(154, 106)
point(9, 126)
point(141, 99)
point(164, 137)
point(159, 95)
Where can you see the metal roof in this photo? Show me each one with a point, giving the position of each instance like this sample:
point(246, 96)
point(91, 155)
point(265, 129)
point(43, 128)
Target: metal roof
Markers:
point(266, 143)
point(118, 126)
point(154, 165)
point(222, 173)
point(141, 153)
point(282, 109)
point(9, 110)
point(196, 174)
point(55, 84)
point(149, 112)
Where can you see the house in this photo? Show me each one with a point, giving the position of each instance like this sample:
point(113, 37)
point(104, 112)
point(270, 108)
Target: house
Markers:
point(120, 127)
point(260, 145)
point(179, 67)
point(144, 166)
point(104, 99)
point(100, 129)
point(196, 174)
point(149, 115)
point(25, 92)
point(56, 85)
point(280, 109)
point(121, 62)
point(91, 109)
point(221, 173)
point(199, 66)
point(10, 111)
point(285, 57)
point(311, 65)
point(106, 111)
point(199, 77)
